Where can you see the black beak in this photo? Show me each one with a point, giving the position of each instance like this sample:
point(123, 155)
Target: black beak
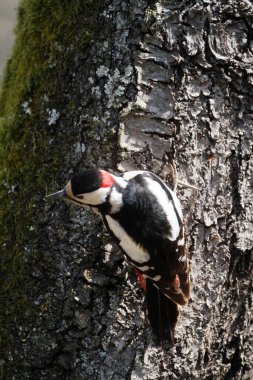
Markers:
point(62, 194)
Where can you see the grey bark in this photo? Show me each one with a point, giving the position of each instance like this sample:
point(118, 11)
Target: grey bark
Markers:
point(166, 76)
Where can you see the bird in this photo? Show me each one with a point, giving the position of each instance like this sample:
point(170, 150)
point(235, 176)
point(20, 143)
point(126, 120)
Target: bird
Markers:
point(144, 217)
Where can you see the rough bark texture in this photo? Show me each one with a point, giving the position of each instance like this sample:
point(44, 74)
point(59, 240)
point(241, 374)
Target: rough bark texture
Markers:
point(151, 77)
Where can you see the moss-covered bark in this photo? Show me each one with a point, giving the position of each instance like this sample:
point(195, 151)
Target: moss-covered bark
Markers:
point(115, 84)
point(43, 106)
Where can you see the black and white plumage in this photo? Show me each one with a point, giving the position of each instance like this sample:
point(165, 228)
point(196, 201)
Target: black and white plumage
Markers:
point(144, 217)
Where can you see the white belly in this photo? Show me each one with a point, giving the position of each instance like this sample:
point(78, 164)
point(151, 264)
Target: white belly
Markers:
point(133, 250)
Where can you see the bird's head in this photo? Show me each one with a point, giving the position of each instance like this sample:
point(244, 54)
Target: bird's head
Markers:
point(87, 188)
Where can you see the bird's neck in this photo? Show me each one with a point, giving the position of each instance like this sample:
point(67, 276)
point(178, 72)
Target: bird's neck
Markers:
point(115, 198)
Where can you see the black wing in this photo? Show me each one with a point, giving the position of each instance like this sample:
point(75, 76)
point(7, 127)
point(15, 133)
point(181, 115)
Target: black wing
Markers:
point(146, 222)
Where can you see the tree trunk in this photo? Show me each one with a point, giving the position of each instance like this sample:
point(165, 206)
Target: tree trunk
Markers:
point(116, 85)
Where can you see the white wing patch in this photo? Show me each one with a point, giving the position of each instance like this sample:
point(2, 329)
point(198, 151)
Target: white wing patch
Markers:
point(156, 189)
point(144, 268)
point(156, 278)
point(133, 250)
point(129, 175)
point(94, 198)
point(176, 203)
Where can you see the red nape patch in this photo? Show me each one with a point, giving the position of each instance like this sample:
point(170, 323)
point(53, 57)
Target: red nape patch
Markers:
point(107, 179)
point(142, 280)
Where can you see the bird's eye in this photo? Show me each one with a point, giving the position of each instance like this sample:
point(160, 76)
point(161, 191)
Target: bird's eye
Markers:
point(79, 196)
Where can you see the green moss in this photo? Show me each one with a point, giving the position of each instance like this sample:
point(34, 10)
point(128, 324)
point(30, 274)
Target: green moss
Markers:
point(47, 30)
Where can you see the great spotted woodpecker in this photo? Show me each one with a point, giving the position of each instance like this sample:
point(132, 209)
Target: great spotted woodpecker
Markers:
point(144, 217)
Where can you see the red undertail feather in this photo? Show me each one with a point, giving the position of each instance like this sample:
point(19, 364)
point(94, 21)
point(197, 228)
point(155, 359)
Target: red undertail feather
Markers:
point(142, 280)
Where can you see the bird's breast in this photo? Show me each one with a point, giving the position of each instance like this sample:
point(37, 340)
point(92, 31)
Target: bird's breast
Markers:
point(133, 250)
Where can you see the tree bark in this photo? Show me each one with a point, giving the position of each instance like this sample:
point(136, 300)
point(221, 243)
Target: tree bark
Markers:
point(116, 85)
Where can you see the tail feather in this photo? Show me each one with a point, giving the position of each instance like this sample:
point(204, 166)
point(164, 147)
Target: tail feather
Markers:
point(162, 312)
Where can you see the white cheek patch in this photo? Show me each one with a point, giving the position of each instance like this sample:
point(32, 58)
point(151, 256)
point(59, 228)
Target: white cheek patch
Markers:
point(96, 197)
point(133, 250)
point(156, 189)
